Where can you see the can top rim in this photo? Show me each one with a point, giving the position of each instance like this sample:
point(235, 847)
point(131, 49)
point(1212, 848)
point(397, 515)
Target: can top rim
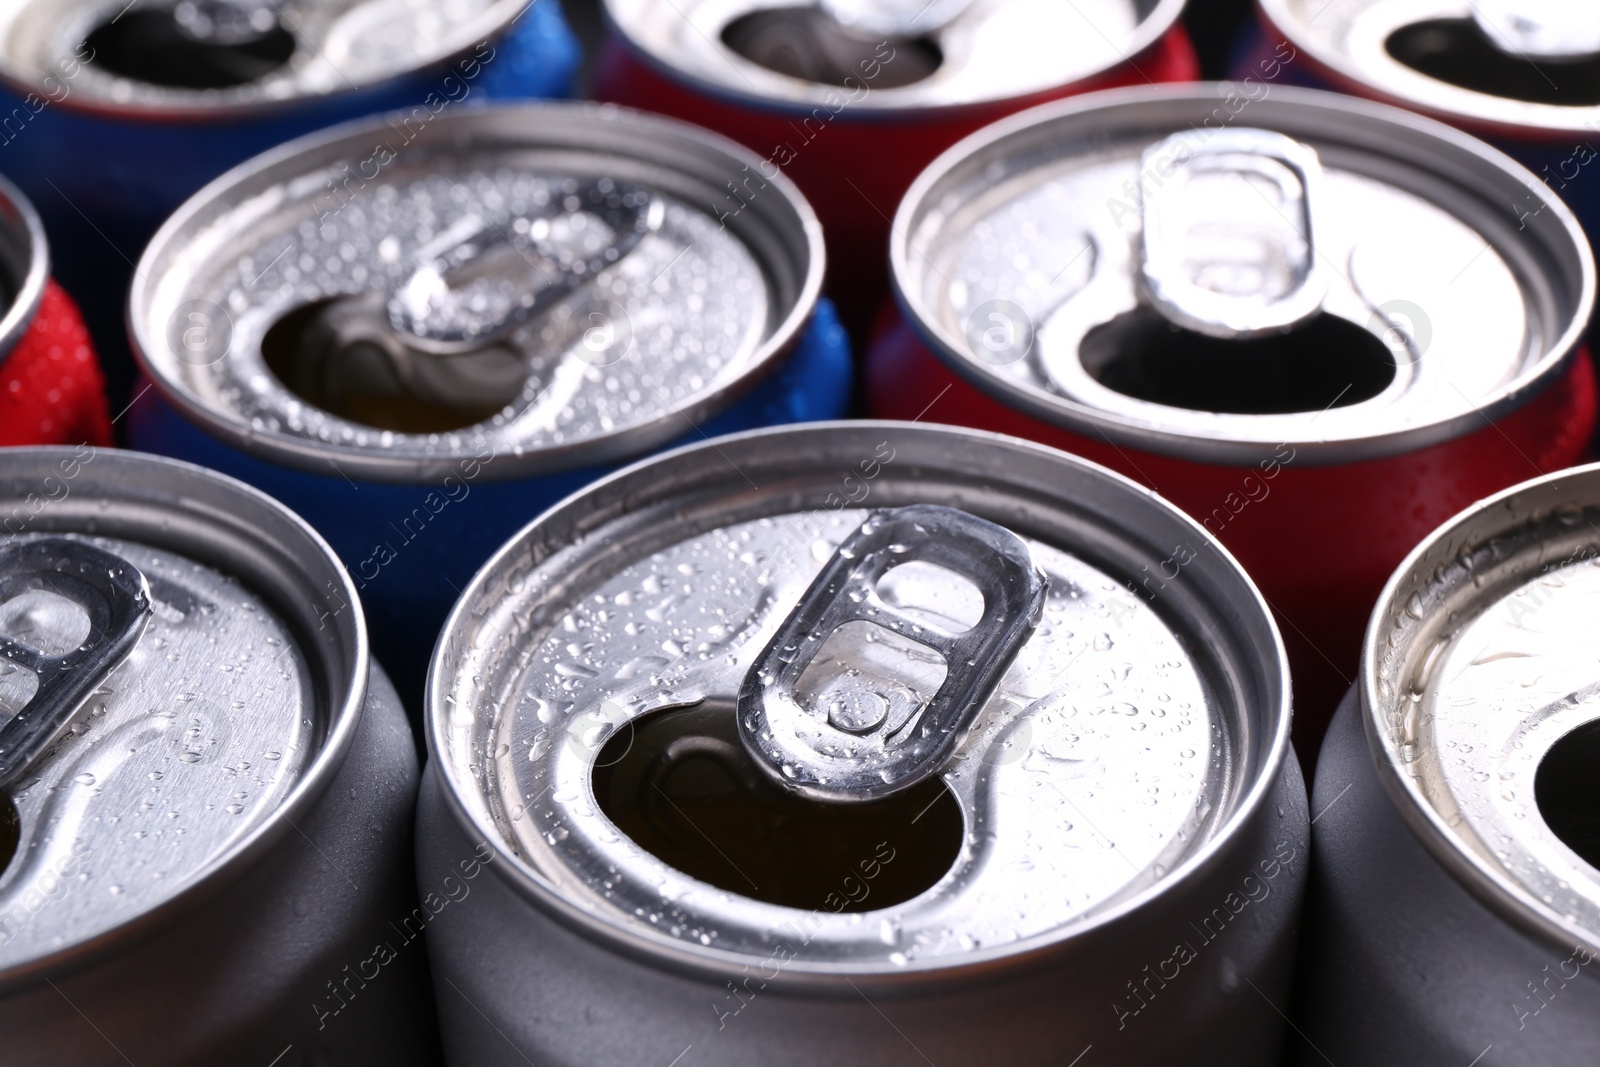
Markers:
point(597, 513)
point(1245, 439)
point(173, 105)
point(752, 83)
point(782, 228)
point(198, 513)
point(1473, 563)
point(23, 244)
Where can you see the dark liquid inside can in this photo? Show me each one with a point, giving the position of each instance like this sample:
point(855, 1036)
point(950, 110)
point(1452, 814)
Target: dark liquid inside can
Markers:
point(153, 46)
point(806, 43)
point(1457, 52)
point(1568, 791)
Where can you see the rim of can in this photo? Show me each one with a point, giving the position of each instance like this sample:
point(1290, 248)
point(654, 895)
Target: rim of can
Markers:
point(496, 20)
point(1475, 110)
point(1490, 885)
point(223, 514)
point(1336, 111)
point(635, 131)
point(1163, 16)
point(24, 245)
point(640, 486)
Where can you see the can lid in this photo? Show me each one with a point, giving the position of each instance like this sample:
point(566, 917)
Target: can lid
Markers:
point(217, 58)
point(24, 265)
point(182, 664)
point(1528, 68)
point(889, 55)
point(1482, 701)
point(1319, 271)
point(1031, 712)
point(555, 285)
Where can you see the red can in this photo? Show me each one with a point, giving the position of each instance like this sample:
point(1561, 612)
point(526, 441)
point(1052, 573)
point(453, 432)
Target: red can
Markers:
point(1319, 333)
point(851, 99)
point(51, 388)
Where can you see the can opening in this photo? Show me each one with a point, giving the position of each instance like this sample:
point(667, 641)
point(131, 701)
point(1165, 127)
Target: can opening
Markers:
point(1457, 52)
point(1325, 362)
point(153, 45)
point(807, 43)
point(1564, 788)
point(680, 784)
point(379, 384)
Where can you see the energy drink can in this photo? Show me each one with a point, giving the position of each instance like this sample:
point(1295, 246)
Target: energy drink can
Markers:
point(1457, 893)
point(486, 318)
point(849, 744)
point(1308, 323)
point(114, 113)
point(51, 389)
point(205, 791)
point(851, 99)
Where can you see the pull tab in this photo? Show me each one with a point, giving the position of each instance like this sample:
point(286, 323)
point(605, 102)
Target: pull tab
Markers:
point(1228, 247)
point(1540, 29)
point(896, 18)
point(859, 761)
point(114, 595)
point(227, 23)
point(476, 282)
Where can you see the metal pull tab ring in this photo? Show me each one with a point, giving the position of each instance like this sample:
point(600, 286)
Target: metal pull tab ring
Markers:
point(1540, 29)
point(116, 598)
point(1228, 247)
point(476, 282)
point(806, 753)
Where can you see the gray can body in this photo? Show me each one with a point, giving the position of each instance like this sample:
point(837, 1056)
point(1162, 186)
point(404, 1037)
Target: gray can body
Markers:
point(267, 954)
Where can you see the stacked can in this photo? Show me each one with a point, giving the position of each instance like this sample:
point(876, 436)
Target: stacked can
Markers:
point(205, 792)
point(51, 389)
point(112, 114)
point(1457, 874)
point(517, 300)
point(852, 98)
point(1310, 322)
point(840, 744)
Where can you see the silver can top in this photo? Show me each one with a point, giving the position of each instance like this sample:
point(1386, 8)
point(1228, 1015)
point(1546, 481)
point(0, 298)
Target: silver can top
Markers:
point(24, 265)
point(1517, 66)
point(555, 285)
point(200, 58)
point(1050, 705)
point(890, 55)
point(1482, 701)
point(182, 664)
point(1306, 268)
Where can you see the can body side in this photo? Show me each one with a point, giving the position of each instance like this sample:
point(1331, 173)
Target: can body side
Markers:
point(52, 391)
point(411, 548)
point(1320, 541)
point(553, 996)
point(853, 166)
point(1402, 965)
point(254, 967)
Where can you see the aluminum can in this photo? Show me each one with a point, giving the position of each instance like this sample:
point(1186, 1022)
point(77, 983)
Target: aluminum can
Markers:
point(113, 114)
point(205, 791)
point(1127, 276)
point(580, 306)
point(1457, 898)
point(858, 743)
point(51, 389)
point(851, 99)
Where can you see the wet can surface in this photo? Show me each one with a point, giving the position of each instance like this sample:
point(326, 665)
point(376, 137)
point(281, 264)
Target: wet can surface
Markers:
point(1456, 893)
point(521, 299)
point(850, 743)
point(51, 388)
point(115, 113)
point(1315, 328)
point(852, 98)
point(204, 795)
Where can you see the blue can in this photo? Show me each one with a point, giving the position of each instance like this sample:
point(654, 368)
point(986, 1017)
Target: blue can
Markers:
point(113, 114)
point(515, 301)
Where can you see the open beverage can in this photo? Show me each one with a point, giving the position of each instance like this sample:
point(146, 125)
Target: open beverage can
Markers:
point(849, 744)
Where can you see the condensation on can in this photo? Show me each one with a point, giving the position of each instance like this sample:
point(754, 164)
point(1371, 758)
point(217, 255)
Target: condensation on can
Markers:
point(701, 326)
point(1029, 314)
point(1128, 775)
point(203, 859)
point(854, 138)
